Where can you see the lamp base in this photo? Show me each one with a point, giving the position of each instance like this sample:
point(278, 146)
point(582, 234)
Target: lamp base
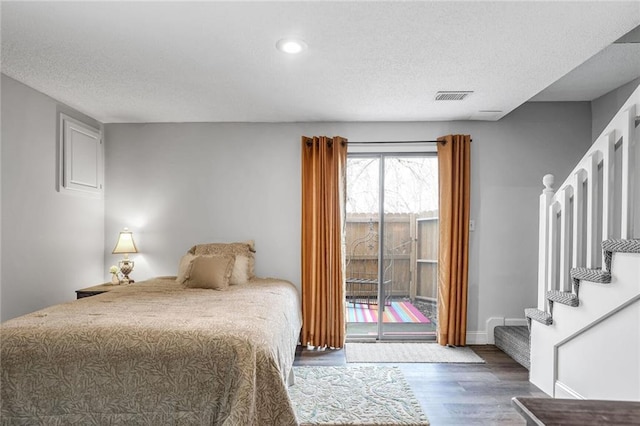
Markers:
point(126, 266)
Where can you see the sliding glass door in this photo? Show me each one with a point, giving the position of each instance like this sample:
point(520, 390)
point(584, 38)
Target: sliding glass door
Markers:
point(391, 243)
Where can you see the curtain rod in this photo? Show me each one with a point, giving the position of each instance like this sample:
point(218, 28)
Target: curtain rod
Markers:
point(392, 142)
point(309, 142)
point(381, 142)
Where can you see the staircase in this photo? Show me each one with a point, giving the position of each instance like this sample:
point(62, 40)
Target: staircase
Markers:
point(514, 341)
point(585, 332)
point(595, 275)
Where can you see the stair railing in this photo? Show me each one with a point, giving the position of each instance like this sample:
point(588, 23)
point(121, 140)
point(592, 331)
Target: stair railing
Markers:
point(600, 199)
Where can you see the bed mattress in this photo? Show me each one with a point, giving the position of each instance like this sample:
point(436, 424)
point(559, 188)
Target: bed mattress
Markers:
point(154, 353)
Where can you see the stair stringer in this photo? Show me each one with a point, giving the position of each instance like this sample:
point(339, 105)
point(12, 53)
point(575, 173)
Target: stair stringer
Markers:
point(596, 302)
point(618, 380)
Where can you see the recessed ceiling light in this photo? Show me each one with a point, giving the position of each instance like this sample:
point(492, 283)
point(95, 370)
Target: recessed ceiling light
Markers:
point(290, 45)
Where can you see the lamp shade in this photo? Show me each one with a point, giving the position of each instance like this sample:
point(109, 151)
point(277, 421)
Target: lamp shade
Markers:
point(125, 243)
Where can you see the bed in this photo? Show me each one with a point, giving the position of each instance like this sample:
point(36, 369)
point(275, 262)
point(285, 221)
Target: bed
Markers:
point(156, 353)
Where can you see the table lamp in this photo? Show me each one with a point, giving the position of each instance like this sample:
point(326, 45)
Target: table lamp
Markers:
point(125, 245)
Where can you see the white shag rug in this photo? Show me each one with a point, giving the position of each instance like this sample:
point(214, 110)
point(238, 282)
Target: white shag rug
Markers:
point(354, 395)
point(410, 352)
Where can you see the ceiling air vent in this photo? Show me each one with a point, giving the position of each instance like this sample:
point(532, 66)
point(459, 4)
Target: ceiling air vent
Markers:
point(452, 96)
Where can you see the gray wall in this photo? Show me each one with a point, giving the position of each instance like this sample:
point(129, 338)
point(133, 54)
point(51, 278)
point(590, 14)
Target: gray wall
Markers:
point(52, 243)
point(178, 184)
point(606, 106)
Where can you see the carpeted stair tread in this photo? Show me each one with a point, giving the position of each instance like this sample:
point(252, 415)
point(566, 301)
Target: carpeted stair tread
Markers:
point(597, 275)
point(593, 275)
point(538, 315)
point(564, 297)
point(611, 246)
point(621, 246)
point(514, 341)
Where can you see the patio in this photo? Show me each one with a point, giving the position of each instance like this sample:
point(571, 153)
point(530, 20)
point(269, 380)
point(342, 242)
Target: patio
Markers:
point(409, 270)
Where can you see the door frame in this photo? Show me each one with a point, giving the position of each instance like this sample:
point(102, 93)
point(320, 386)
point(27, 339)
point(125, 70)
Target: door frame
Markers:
point(381, 154)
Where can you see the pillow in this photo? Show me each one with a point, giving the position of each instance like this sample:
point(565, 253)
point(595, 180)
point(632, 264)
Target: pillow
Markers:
point(245, 248)
point(183, 267)
point(240, 272)
point(211, 272)
point(234, 248)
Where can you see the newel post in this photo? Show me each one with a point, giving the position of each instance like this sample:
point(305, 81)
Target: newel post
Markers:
point(543, 239)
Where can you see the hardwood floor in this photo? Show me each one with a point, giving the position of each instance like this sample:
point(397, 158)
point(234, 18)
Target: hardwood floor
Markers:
point(457, 394)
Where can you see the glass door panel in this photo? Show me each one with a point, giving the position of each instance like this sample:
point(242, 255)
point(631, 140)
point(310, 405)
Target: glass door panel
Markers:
point(410, 195)
point(362, 246)
point(391, 264)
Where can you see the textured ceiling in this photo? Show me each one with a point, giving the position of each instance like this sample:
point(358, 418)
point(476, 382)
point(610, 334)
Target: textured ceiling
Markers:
point(614, 66)
point(366, 61)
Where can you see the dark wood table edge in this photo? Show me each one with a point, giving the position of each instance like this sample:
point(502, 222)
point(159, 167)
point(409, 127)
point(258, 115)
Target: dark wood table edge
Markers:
point(525, 413)
point(553, 411)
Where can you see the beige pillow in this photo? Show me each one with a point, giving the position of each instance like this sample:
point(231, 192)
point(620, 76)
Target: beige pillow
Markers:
point(245, 248)
point(211, 272)
point(240, 273)
point(183, 267)
point(216, 248)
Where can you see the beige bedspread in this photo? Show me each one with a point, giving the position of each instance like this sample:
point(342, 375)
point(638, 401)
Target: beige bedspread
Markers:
point(154, 353)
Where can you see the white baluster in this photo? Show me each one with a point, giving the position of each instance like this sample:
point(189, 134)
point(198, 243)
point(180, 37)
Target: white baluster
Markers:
point(626, 224)
point(634, 137)
point(593, 251)
point(545, 201)
point(552, 246)
point(578, 218)
point(565, 240)
point(608, 182)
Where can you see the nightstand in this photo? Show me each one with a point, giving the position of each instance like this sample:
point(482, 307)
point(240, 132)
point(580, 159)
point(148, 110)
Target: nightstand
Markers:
point(96, 289)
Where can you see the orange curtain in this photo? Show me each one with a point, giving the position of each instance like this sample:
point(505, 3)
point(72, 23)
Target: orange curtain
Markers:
point(323, 199)
point(454, 164)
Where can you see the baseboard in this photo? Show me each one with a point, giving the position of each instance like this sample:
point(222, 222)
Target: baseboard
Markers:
point(563, 391)
point(476, 338)
point(494, 322)
point(486, 337)
point(515, 321)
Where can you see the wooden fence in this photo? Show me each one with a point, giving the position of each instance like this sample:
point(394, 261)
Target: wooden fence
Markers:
point(410, 254)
